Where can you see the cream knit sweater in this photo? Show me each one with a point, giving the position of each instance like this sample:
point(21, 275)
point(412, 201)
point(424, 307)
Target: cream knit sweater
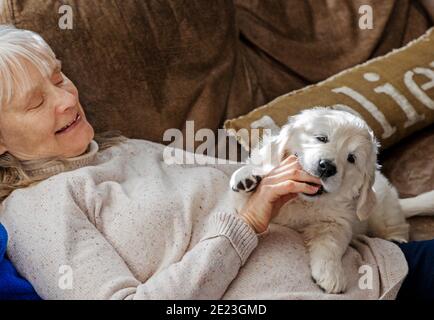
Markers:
point(123, 224)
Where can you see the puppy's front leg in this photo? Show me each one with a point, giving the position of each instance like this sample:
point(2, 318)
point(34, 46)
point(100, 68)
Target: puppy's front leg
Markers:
point(327, 242)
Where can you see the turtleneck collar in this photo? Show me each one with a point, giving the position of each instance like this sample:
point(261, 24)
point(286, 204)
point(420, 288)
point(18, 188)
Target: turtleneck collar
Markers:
point(52, 168)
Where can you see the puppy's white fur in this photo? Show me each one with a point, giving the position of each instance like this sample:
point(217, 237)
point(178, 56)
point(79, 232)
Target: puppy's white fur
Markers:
point(358, 199)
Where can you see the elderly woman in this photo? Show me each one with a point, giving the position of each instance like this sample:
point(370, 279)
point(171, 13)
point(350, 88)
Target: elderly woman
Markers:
point(100, 217)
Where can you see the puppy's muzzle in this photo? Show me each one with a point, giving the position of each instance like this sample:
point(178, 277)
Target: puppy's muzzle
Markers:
point(326, 168)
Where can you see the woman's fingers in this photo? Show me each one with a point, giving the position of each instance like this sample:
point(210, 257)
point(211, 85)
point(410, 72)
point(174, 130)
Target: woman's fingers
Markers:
point(275, 191)
point(290, 159)
point(282, 184)
point(289, 169)
point(285, 167)
point(291, 174)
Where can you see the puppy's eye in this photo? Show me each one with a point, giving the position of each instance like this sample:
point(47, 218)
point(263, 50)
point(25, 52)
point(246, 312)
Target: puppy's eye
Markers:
point(351, 158)
point(322, 139)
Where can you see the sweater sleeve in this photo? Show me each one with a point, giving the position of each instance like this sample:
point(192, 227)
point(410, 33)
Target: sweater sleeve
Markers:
point(64, 256)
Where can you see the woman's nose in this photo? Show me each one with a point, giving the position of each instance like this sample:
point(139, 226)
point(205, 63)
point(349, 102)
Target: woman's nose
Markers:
point(64, 100)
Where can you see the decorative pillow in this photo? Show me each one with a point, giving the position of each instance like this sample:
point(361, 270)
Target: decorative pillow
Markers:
point(393, 93)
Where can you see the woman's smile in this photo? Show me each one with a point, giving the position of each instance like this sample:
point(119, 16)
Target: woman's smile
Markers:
point(70, 126)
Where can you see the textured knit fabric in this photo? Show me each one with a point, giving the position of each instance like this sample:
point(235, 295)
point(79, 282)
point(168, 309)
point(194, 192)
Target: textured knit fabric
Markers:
point(128, 225)
point(12, 286)
point(34, 169)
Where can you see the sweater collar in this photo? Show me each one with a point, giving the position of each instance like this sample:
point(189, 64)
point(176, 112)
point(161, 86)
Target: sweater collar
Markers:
point(54, 167)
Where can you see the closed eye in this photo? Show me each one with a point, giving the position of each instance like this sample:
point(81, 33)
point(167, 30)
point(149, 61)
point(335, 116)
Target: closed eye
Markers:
point(57, 78)
point(58, 82)
point(37, 106)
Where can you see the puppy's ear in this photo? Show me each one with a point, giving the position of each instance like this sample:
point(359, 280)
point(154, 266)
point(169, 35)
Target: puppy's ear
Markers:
point(281, 143)
point(367, 199)
point(273, 149)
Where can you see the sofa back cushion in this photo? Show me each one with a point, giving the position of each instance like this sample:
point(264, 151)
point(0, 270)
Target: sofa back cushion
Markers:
point(144, 66)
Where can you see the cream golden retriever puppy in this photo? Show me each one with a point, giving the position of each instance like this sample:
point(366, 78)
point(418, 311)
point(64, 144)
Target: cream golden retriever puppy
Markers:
point(354, 197)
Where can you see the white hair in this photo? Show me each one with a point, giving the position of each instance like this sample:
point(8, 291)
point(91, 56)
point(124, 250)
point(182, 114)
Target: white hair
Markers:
point(16, 46)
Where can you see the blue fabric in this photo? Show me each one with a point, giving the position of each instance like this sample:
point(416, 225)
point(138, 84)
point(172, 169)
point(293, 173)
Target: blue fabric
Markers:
point(419, 283)
point(12, 285)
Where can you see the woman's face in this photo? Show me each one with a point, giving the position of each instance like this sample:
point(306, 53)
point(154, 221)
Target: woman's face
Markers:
point(33, 125)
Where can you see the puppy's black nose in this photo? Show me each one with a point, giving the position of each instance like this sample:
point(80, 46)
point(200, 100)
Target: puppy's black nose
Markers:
point(326, 168)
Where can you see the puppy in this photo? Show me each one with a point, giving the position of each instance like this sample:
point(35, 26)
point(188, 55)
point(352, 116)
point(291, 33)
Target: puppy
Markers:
point(354, 197)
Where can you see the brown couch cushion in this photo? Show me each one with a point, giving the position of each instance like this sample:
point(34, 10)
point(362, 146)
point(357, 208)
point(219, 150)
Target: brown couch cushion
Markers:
point(146, 66)
point(410, 168)
point(295, 43)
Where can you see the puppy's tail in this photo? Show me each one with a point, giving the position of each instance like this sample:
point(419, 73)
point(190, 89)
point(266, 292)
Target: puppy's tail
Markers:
point(421, 205)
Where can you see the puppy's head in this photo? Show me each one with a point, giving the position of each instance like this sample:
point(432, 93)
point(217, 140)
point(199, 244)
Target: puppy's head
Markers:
point(340, 149)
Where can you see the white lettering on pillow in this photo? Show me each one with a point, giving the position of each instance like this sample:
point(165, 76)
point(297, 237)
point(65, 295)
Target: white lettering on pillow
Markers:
point(388, 130)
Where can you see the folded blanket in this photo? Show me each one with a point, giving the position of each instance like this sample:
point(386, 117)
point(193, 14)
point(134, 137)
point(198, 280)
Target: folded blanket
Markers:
point(12, 285)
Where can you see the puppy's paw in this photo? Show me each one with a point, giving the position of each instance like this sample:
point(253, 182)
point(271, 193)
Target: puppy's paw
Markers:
point(329, 275)
point(399, 239)
point(397, 232)
point(244, 180)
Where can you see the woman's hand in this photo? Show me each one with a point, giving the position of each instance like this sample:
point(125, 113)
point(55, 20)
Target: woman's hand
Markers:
point(282, 184)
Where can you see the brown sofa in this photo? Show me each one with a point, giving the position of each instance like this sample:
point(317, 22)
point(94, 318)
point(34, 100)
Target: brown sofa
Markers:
point(145, 66)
